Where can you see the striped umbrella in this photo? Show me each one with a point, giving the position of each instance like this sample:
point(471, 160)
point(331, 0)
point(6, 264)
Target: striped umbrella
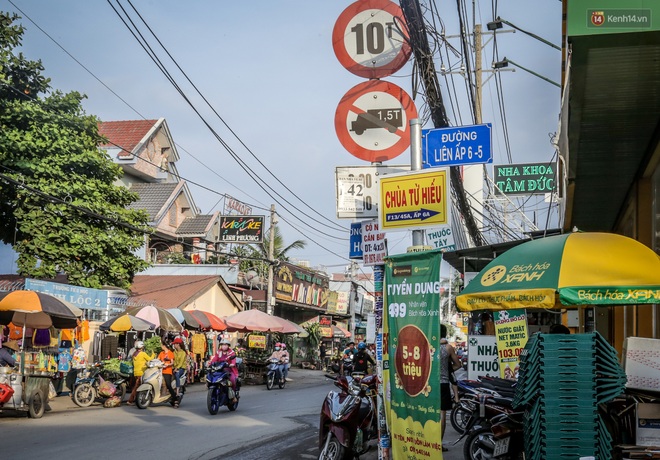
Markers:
point(125, 323)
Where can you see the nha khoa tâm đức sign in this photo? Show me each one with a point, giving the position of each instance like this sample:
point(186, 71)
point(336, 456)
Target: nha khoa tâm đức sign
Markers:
point(525, 179)
point(241, 229)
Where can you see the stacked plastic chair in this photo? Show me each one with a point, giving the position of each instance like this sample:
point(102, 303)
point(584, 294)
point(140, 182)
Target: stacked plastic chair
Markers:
point(562, 379)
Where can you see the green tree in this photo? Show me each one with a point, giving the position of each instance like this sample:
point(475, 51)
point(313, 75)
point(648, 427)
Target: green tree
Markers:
point(59, 205)
point(280, 251)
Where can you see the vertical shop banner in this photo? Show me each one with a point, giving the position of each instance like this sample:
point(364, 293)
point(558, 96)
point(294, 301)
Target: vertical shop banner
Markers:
point(511, 332)
point(412, 338)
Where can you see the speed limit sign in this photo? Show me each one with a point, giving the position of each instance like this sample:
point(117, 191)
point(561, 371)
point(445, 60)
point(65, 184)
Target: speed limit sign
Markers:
point(369, 38)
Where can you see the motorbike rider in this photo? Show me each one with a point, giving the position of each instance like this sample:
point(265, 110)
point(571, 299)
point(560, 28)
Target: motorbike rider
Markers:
point(167, 357)
point(139, 366)
point(349, 354)
point(282, 356)
point(226, 354)
point(362, 359)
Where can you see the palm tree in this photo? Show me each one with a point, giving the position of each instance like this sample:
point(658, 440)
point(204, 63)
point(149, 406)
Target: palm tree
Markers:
point(280, 252)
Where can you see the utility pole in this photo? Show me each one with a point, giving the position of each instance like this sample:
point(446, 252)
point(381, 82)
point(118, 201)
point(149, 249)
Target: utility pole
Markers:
point(473, 175)
point(271, 262)
point(424, 62)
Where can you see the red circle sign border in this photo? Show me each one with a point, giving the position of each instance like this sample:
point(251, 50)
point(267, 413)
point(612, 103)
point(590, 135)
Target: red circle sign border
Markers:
point(345, 58)
point(345, 106)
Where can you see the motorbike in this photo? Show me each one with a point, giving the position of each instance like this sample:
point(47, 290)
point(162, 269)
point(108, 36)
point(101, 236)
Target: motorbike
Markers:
point(347, 365)
point(88, 385)
point(274, 374)
point(152, 390)
point(482, 410)
point(469, 390)
point(503, 440)
point(349, 418)
point(220, 393)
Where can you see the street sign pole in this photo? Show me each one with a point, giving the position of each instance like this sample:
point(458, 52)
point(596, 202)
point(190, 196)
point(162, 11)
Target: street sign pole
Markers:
point(416, 165)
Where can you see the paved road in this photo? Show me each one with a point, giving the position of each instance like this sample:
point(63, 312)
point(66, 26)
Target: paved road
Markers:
point(277, 424)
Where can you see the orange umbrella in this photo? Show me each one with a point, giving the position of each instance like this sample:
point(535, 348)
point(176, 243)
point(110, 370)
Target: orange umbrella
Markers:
point(208, 320)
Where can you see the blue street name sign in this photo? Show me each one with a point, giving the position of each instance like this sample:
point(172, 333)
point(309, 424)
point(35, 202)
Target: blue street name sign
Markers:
point(355, 251)
point(461, 145)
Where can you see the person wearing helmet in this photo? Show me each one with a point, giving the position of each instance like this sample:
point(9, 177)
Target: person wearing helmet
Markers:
point(362, 359)
point(286, 359)
point(140, 360)
point(179, 367)
point(282, 356)
point(226, 354)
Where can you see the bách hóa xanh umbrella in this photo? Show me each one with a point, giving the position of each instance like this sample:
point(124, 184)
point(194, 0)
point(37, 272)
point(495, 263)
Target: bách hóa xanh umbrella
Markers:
point(579, 268)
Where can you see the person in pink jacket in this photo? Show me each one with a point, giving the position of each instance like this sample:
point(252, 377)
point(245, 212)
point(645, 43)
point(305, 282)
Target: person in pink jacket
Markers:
point(225, 353)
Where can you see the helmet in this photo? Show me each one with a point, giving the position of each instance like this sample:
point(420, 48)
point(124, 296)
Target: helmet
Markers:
point(362, 346)
point(177, 340)
point(225, 342)
point(139, 344)
point(283, 346)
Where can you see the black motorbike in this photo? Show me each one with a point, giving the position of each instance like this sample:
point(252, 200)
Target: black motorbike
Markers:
point(274, 375)
point(469, 391)
point(502, 440)
point(220, 392)
point(349, 418)
point(86, 388)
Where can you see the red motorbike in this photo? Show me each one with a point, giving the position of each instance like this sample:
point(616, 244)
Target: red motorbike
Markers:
point(349, 418)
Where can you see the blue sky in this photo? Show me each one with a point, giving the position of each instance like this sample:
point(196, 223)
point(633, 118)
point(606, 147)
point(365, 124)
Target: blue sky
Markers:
point(269, 70)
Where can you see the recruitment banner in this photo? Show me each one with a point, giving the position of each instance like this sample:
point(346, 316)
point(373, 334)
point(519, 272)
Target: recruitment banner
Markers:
point(412, 353)
point(512, 335)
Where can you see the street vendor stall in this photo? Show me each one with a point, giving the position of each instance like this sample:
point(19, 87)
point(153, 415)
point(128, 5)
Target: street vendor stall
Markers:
point(27, 388)
point(571, 270)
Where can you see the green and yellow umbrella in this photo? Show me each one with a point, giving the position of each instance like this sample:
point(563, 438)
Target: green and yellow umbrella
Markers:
point(571, 269)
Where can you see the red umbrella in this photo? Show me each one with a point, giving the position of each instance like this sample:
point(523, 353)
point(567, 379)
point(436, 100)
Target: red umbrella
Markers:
point(208, 320)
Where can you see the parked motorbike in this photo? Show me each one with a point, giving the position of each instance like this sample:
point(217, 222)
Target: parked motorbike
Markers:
point(503, 440)
point(220, 392)
point(152, 390)
point(469, 390)
point(348, 418)
point(88, 384)
point(274, 374)
point(483, 410)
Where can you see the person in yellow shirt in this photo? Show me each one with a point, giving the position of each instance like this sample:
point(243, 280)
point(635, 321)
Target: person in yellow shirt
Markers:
point(140, 360)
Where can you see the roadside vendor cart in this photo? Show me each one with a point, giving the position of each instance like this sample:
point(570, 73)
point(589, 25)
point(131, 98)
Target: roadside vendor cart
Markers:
point(27, 389)
point(24, 393)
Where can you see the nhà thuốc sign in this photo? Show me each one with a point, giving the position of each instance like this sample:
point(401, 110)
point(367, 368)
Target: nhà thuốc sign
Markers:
point(525, 179)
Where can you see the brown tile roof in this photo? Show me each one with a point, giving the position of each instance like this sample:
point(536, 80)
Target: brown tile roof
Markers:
point(170, 291)
point(125, 134)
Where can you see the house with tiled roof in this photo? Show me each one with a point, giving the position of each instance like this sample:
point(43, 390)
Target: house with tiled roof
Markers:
point(186, 292)
point(147, 154)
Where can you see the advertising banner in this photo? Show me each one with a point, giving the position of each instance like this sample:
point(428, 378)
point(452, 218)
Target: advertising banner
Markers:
point(241, 229)
point(412, 352)
point(257, 341)
point(482, 356)
point(512, 335)
point(300, 285)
